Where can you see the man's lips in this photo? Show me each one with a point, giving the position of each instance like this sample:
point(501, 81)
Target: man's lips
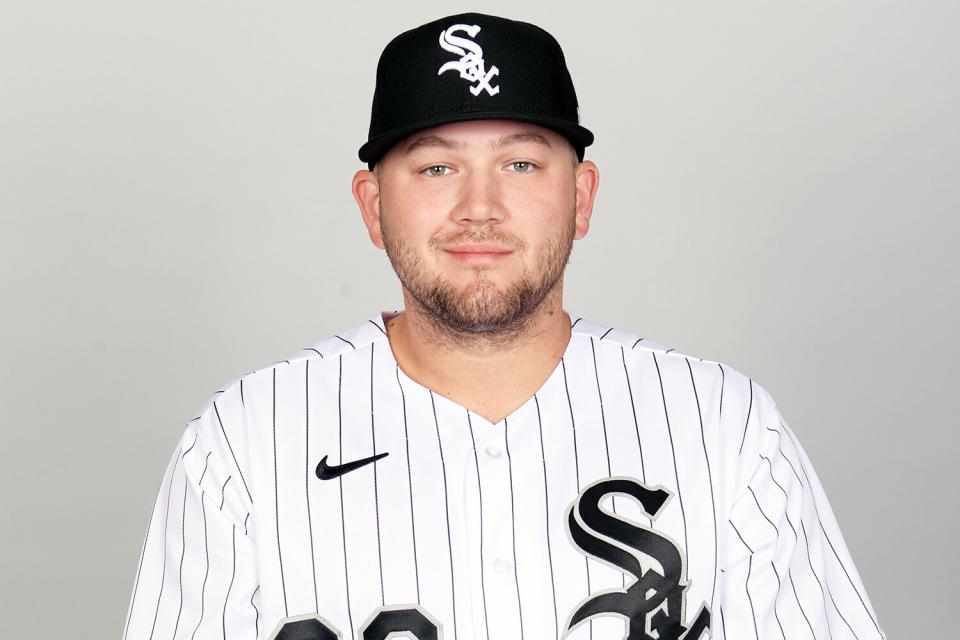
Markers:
point(477, 248)
point(477, 252)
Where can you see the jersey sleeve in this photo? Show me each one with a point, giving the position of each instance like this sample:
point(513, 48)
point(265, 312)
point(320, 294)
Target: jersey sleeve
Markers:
point(787, 572)
point(197, 576)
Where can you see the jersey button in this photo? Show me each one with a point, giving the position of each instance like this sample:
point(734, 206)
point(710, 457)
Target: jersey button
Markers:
point(493, 451)
point(502, 565)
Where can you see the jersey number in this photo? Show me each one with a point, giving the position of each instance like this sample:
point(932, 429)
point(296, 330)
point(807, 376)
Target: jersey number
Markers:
point(410, 619)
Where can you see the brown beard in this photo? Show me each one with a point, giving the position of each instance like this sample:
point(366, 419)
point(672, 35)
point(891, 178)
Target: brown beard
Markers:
point(481, 307)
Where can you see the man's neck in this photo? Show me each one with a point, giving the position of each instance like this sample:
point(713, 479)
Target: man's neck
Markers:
point(491, 374)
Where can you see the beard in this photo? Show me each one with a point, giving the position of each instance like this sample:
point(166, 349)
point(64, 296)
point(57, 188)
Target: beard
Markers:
point(480, 307)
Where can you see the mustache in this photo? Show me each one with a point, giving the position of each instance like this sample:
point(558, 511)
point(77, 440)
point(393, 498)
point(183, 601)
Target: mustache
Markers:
point(483, 236)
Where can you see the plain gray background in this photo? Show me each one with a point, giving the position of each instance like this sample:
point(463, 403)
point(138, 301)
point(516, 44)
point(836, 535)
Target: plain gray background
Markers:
point(779, 191)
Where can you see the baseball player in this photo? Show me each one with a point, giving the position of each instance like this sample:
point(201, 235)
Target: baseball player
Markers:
point(484, 465)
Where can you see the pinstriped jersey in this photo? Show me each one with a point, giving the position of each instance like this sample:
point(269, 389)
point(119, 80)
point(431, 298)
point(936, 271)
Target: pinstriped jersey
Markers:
point(640, 493)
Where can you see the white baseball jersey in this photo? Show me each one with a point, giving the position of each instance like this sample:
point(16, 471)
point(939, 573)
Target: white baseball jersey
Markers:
point(640, 493)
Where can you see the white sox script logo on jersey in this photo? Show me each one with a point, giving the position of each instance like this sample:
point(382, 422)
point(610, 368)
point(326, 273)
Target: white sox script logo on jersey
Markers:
point(654, 602)
point(471, 64)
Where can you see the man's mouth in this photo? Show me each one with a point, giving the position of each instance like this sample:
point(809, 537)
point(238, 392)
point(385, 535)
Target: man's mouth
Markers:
point(477, 252)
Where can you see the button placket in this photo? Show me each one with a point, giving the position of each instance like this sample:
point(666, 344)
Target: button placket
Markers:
point(488, 458)
point(499, 579)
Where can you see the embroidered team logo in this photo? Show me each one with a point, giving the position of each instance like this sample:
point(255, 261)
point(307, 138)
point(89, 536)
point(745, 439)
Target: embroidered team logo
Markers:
point(654, 600)
point(471, 65)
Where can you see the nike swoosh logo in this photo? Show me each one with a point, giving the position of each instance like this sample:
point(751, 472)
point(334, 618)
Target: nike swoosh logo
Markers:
point(328, 472)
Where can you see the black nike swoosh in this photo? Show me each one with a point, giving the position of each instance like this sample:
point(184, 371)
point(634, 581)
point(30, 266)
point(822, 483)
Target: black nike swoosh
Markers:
point(328, 472)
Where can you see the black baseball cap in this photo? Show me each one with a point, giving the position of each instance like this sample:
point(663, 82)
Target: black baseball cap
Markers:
point(471, 66)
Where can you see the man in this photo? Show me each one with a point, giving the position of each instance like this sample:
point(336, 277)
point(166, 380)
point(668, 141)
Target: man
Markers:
point(482, 465)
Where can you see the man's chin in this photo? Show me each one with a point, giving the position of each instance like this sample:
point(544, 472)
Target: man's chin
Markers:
point(486, 311)
point(478, 324)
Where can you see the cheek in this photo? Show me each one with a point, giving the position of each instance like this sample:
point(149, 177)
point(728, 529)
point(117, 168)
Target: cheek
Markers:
point(402, 213)
point(546, 207)
point(409, 233)
point(419, 211)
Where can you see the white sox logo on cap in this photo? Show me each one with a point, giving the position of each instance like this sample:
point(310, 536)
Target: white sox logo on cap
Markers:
point(471, 64)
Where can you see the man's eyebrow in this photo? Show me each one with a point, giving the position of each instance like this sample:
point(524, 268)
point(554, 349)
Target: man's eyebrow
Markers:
point(431, 141)
point(523, 136)
point(513, 138)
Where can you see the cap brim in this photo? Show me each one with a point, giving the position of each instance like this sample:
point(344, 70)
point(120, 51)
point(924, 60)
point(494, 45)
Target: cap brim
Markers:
point(375, 148)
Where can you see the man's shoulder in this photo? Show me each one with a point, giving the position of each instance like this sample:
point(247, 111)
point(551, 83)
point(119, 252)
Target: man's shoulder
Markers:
point(636, 349)
point(342, 343)
point(672, 375)
point(320, 357)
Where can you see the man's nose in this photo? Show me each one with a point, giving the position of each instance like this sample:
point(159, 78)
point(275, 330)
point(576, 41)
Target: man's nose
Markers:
point(480, 202)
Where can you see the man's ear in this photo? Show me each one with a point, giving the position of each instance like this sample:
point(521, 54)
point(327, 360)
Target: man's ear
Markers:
point(587, 180)
point(366, 191)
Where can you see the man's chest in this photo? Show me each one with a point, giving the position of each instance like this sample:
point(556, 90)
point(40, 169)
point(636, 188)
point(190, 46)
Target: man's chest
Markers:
point(522, 528)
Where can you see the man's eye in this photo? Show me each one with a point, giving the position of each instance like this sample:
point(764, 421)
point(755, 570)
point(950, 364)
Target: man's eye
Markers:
point(522, 166)
point(435, 170)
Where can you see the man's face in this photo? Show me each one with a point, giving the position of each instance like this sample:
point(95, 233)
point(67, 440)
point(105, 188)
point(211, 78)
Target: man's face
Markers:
point(478, 219)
